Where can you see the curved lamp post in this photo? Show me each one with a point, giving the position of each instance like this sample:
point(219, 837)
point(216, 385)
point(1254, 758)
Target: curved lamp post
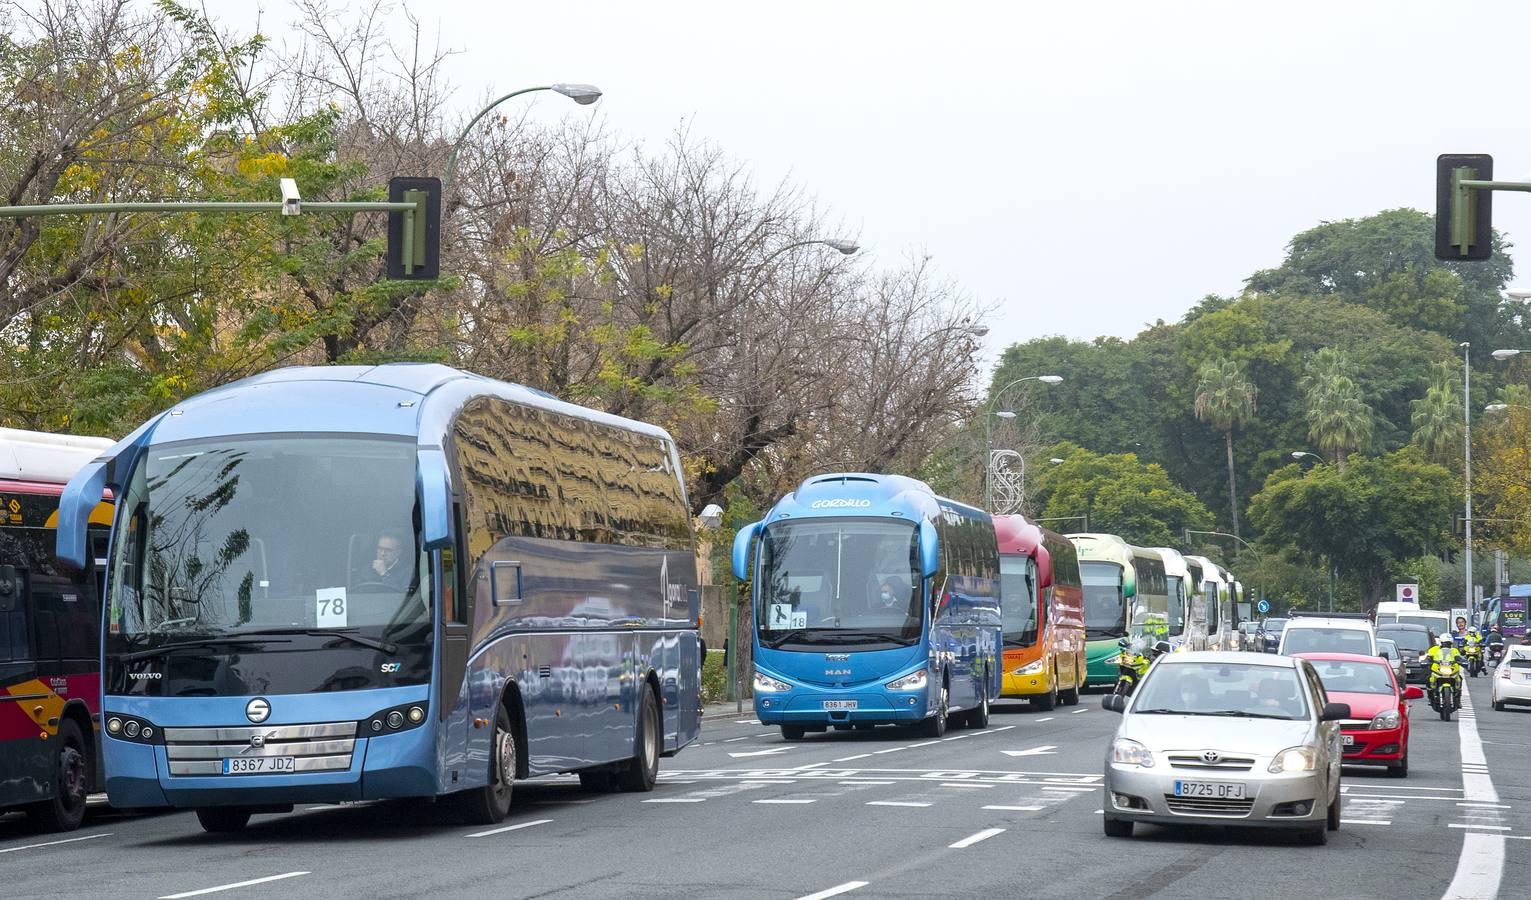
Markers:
point(988, 433)
point(583, 94)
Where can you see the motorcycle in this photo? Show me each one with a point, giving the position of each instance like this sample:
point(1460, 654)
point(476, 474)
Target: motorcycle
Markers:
point(1132, 663)
point(1474, 653)
point(1495, 654)
point(1446, 694)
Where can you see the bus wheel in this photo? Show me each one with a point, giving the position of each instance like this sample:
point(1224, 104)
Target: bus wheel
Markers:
point(223, 819)
point(490, 804)
point(1046, 702)
point(1069, 697)
point(640, 772)
point(597, 780)
point(793, 732)
point(979, 718)
point(65, 810)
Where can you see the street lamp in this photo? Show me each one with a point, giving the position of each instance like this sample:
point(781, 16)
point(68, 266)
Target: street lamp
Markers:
point(1467, 470)
point(583, 94)
point(988, 431)
point(1055, 461)
point(1299, 454)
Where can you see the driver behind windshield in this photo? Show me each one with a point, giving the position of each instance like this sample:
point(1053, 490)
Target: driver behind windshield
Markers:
point(388, 565)
point(891, 596)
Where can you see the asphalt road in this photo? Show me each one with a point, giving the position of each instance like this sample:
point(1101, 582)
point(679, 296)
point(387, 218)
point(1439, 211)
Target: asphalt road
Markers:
point(1012, 811)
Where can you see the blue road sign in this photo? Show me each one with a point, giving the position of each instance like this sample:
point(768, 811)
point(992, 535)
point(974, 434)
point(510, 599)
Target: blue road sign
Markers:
point(1264, 606)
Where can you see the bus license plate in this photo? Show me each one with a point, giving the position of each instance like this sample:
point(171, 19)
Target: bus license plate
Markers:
point(1218, 790)
point(840, 704)
point(257, 765)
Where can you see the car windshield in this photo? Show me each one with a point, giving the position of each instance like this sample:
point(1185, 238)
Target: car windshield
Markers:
point(839, 582)
point(1407, 641)
point(1275, 625)
point(1328, 640)
point(1353, 677)
point(1388, 648)
point(1105, 609)
point(263, 534)
point(1431, 622)
point(1222, 689)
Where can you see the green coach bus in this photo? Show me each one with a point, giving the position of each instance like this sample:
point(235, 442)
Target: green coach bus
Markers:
point(1126, 594)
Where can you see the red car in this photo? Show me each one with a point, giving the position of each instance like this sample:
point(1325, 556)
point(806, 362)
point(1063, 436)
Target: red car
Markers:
point(1377, 733)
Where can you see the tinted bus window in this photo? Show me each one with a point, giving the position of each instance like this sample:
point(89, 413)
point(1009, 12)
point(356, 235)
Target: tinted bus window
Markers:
point(1105, 612)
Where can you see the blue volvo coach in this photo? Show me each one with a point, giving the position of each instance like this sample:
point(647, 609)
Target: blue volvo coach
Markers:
point(876, 602)
point(352, 583)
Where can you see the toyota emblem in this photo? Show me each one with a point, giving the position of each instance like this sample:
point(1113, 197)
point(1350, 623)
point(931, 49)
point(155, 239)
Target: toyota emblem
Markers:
point(258, 710)
point(1211, 757)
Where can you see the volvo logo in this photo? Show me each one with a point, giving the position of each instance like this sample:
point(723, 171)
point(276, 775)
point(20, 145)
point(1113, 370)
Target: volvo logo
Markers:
point(1211, 757)
point(840, 503)
point(258, 710)
point(146, 676)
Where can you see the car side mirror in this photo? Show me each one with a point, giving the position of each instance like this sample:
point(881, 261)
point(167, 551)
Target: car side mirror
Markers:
point(1333, 712)
point(1383, 656)
point(9, 589)
point(1114, 703)
point(1413, 693)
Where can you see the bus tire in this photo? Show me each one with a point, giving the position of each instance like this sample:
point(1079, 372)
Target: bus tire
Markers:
point(597, 780)
point(793, 732)
point(639, 773)
point(71, 774)
point(223, 819)
point(979, 718)
point(1048, 701)
point(1070, 697)
point(490, 804)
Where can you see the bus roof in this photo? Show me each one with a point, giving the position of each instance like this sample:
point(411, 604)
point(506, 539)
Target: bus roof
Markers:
point(1016, 536)
point(38, 456)
point(867, 494)
point(1103, 547)
point(1174, 564)
point(1210, 571)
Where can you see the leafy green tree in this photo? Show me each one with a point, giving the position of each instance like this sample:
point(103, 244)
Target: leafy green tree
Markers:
point(1120, 494)
point(1339, 420)
point(1225, 400)
point(1437, 417)
point(1369, 520)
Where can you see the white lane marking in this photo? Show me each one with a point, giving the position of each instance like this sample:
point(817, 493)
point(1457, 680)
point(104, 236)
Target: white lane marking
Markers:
point(997, 730)
point(1402, 797)
point(967, 784)
point(1045, 719)
point(835, 891)
point(909, 803)
point(1400, 787)
point(1367, 821)
point(1072, 788)
point(812, 766)
point(1078, 711)
point(1482, 828)
point(956, 737)
point(1044, 750)
point(758, 782)
point(1015, 808)
point(849, 758)
point(889, 750)
point(230, 887)
point(766, 752)
point(677, 800)
point(766, 733)
point(867, 782)
point(1486, 805)
point(516, 827)
point(73, 840)
point(926, 744)
point(972, 839)
point(1481, 865)
point(786, 801)
point(735, 740)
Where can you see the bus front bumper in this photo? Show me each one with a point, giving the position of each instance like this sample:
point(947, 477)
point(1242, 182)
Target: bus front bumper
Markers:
point(807, 706)
point(1028, 685)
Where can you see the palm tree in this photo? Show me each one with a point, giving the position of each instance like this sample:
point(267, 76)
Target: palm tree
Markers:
point(1437, 421)
point(1225, 400)
point(1339, 419)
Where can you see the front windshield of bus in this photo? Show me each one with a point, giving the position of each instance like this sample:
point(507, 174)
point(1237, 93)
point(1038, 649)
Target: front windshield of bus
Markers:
point(839, 583)
point(1176, 610)
point(1105, 610)
point(1018, 587)
point(270, 535)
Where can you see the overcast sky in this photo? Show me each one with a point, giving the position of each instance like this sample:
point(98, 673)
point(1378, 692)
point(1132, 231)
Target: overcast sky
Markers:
point(1087, 168)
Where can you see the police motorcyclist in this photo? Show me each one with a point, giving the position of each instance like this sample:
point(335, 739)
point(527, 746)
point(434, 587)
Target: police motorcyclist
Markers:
point(1444, 653)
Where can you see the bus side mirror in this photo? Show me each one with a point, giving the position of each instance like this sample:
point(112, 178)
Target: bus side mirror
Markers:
point(9, 589)
point(930, 549)
point(742, 542)
point(435, 493)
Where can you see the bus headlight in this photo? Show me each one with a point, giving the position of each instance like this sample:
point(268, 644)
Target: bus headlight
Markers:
point(1031, 668)
point(113, 725)
point(768, 684)
point(914, 681)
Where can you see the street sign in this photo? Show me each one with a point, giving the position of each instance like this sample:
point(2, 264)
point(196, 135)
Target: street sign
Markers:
point(1264, 606)
point(1408, 593)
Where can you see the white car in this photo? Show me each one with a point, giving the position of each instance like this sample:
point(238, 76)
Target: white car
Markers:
point(1512, 678)
point(1331, 633)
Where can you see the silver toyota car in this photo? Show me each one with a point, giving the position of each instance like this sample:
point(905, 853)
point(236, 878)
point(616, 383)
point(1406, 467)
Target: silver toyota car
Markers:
point(1226, 739)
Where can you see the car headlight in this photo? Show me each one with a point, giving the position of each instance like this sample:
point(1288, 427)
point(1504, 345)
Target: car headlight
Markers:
point(1131, 753)
point(1031, 668)
point(914, 681)
point(1295, 759)
point(1388, 719)
point(770, 685)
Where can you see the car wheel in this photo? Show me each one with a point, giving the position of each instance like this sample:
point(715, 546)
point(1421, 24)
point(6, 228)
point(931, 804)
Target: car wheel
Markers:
point(1117, 828)
point(1498, 706)
point(1401, 769)
point(1333, 821)
point(1316, 837)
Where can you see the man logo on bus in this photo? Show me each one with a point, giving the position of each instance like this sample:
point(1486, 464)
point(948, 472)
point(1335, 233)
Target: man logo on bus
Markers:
point(840, 503)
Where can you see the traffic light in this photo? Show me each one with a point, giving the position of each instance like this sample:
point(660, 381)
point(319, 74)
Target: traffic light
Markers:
point(1464, 228)
point(414, 241)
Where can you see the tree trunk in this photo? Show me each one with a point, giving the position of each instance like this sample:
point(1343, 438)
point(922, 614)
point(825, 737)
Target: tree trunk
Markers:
point(1233, 488)
point(1340, 454)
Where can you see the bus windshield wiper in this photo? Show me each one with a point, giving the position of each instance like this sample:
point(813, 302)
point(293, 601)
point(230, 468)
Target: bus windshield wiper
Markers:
point(193, 645)
point(348, 635)
point(846, 635)
point(784, 636)
point(1020, 642)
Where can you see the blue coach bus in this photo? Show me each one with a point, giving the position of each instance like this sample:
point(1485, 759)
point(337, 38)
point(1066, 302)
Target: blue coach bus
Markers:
point(876, 601)
point(352, 583)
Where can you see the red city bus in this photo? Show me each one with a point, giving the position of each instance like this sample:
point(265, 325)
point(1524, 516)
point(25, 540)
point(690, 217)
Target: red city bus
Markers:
point(50, 614)
point(1044, 655)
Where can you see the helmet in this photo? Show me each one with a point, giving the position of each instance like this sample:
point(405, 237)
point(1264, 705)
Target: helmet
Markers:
point(1445, 640)
point(1473, 630)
